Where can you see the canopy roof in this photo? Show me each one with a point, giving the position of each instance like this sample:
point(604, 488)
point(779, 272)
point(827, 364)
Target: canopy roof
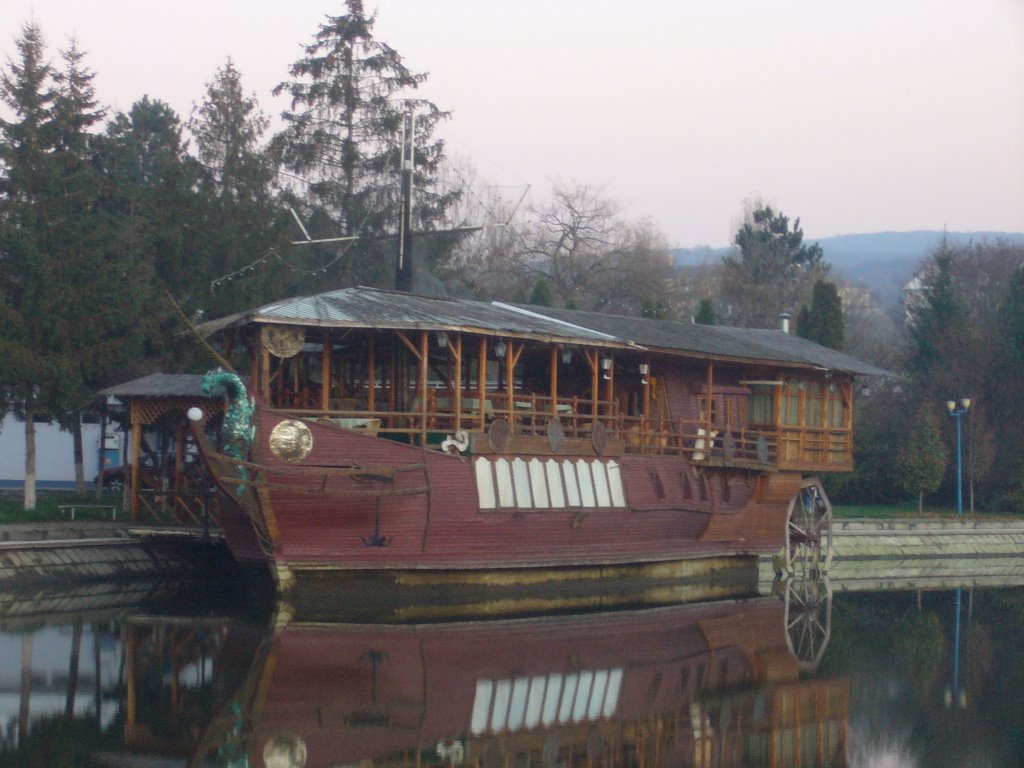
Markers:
point(375, 308)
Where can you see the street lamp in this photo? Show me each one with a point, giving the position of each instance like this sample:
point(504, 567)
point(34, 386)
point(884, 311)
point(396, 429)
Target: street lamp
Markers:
point(957, 412)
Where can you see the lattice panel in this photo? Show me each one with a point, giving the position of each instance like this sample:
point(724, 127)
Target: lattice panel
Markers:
point(148, 410)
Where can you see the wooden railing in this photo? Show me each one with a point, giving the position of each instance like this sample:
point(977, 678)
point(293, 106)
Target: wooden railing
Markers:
point(797, 448)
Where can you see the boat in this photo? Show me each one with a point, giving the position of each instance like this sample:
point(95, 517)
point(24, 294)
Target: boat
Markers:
point(370, 430)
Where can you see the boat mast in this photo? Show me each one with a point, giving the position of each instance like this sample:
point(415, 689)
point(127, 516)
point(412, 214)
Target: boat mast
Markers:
point(403, 266)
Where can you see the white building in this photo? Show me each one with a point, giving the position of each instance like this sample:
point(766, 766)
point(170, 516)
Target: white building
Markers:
point(55, 453)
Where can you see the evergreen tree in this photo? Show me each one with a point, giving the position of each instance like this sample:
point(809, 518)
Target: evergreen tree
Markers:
point(705, 313)
point(773, 270)
point(1011, 318)
point(937, 318)
point(541, 295)
point(78, 243)
point(823, 322)
point(161, 226)
point(343, 132)
point(242, 213)
point(921, 461)
point(28, 183)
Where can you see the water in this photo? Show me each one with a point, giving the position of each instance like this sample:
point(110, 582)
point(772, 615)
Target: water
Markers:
point(808, 678)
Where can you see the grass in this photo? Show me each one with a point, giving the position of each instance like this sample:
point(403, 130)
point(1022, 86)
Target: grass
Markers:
point(907, 510)
point(48, 505)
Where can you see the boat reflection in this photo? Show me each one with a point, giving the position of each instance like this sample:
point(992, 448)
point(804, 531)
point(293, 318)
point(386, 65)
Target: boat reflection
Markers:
point(713, 684)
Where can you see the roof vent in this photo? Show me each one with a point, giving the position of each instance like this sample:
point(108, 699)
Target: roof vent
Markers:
point(784, 321)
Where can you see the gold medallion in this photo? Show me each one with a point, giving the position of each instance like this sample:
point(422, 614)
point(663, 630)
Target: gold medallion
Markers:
point(291, 440)
point(284, 340)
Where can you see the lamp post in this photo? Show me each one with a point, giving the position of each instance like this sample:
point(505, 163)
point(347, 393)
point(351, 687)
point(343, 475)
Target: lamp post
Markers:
point(956, 412)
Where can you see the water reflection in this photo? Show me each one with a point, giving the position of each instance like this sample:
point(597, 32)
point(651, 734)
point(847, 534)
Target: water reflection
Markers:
point(781, 680)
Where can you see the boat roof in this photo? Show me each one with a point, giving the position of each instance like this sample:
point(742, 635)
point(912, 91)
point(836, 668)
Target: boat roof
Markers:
point(376, 308)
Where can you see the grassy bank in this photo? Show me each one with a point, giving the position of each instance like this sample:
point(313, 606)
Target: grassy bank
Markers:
point(49, 503)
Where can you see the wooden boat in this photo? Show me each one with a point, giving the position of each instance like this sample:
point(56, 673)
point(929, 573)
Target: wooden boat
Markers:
point(396, 433)
point(686, 685)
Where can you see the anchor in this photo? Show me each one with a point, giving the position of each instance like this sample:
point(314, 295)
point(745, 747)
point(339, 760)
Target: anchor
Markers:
point(375, 539)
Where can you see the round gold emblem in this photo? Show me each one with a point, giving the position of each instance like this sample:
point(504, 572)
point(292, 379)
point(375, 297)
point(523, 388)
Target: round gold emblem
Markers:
point(291, 440)
point(283, 340)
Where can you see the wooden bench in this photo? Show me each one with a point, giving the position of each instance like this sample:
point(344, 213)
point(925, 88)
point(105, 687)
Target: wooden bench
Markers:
point(71, 508)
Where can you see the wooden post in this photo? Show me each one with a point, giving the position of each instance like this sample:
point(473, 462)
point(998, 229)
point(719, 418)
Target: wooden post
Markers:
point(591, 356)
point(456, 353)
point(482, 379)
point(709, 406)
point(422, 387)
point(179, 456)
point(265, 372)
point(610, 387)
point(325, 372)
point(135, 450)
point(554, 380)
point(371, 374)
point(254, 363)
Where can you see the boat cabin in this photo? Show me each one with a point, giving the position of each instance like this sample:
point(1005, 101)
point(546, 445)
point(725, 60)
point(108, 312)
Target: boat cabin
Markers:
point(488, 377)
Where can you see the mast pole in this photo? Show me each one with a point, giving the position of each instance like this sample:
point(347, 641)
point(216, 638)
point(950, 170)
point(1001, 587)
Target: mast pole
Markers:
point(403, 270)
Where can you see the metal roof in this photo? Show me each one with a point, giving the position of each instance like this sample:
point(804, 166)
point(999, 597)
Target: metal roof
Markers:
point(375, 308)
point(159, 385)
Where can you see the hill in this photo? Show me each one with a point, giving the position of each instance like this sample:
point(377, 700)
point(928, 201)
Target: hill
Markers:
point(882, 261)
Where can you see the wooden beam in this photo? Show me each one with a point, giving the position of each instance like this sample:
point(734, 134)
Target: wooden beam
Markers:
point(482, 379)
point(412, 347)
point(371, 374)
point(554, 380)
point(136, 423)
point(325, 372)
point(421, 388)
point(456, 352)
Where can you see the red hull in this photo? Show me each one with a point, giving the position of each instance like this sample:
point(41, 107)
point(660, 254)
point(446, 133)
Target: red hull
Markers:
point(318, 520)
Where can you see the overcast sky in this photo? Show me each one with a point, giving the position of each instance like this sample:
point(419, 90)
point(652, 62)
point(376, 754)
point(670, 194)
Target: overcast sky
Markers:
point(856, 117)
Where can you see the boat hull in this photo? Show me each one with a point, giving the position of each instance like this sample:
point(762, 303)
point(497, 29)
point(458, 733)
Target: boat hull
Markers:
point(355, 502)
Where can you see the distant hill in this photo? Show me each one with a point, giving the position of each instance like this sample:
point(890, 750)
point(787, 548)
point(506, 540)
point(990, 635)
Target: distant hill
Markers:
point(882, 261)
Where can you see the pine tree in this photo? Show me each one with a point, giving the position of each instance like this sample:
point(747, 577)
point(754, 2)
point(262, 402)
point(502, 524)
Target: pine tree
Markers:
point(29, 181)
point(823, 322)
point(342, 133)
point(773, 270)
point(541, 295)
point(921, 461)
point(705, 313)
point(242, 214)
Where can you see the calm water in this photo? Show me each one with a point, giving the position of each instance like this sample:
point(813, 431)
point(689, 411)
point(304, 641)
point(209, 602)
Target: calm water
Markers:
point(818, 679)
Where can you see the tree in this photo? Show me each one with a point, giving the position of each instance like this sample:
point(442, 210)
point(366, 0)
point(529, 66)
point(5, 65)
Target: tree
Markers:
point(78, 237)
point(590, 256)
point(243, 215)
point(541, 295)
point(823, 322)
point(773, 270)
point(705, 313)
point(27, 305)
point(343, 132)
point(922, 458)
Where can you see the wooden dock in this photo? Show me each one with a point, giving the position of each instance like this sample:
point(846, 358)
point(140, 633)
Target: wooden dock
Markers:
point(873, 555)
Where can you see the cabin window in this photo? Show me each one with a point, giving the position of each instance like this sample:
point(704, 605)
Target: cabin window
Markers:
point(762, 404)
point(726, 491)
point(790, 415)
point(702, 404)
point(814, 403)
point(659, 488)
point(836, 410)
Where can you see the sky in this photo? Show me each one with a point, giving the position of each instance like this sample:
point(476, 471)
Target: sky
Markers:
point(879, 115)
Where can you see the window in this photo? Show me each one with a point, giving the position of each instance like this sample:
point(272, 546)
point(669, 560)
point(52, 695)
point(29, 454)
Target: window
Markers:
point(814, 403)
point(762, 405)
point(791, 404)
point(702, 403)
point(836, 409)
